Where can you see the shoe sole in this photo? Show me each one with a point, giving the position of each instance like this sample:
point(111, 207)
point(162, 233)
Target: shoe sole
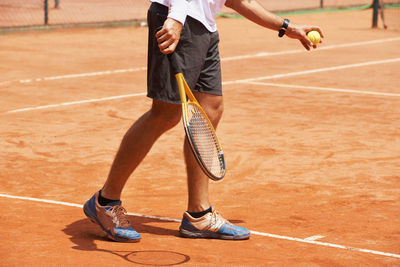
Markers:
point(93, 219)
point(211, 235)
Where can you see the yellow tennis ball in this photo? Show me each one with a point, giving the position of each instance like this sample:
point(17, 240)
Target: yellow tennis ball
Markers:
point(314, 37)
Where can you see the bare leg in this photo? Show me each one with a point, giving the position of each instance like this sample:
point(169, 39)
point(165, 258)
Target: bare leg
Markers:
point(197, 180)
point(137, 142)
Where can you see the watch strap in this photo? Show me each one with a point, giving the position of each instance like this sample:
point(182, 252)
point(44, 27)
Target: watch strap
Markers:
point(284, 27)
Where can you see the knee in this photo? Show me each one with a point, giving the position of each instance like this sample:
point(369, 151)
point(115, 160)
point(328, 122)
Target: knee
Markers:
point(164, 115)
point(215, 112)
point(219, 110)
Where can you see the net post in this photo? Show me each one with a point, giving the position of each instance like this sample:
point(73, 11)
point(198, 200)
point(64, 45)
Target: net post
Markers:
point(46, 12)
point(375, 8)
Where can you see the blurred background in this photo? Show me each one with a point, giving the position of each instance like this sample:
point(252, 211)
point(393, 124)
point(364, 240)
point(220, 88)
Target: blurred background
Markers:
point(18, 15)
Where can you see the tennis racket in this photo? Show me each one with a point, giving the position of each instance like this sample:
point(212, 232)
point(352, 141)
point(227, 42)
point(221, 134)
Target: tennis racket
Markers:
point(199, 131)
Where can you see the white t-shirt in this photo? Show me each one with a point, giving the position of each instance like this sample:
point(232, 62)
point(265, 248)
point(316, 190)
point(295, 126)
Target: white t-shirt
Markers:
point(201, 10)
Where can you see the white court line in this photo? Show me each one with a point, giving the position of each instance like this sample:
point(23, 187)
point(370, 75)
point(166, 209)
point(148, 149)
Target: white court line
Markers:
point(325, 89)
point(327, 244)
point(261, 54)
point(296, 51)
point(79, 75)
point(277, 76)
point(253, 232)
point(314, 237)
point(297, 73)
point(75, 102)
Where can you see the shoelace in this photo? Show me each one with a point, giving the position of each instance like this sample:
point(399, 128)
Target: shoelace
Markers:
point(216, 220)
point(119, 218)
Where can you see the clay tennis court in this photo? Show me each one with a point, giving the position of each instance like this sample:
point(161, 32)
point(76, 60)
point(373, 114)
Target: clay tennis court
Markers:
point(312, 143)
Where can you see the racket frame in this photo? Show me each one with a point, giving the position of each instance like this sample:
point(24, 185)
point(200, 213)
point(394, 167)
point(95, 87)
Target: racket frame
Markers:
point(184, 90)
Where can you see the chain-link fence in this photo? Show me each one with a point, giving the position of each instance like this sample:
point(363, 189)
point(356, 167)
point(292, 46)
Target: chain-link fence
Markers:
point(18, 13)
point(28, 13)
point(290, 5)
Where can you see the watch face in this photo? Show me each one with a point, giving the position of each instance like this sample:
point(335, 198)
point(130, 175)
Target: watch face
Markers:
point(285, 23)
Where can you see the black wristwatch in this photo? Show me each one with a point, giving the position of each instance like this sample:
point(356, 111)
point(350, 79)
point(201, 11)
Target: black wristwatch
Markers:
point(285, 25)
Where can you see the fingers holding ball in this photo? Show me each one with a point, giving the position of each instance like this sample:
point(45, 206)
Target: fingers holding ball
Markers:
point(314, 37)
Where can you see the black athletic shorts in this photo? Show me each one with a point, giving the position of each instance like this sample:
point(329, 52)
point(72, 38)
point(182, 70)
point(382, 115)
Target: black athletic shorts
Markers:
point(197, 52)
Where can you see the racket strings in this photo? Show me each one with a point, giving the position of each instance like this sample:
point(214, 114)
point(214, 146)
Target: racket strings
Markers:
point(205, 140)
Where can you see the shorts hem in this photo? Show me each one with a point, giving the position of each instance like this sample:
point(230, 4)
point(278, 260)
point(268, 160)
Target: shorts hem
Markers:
point(169, 101)
point(215, 92)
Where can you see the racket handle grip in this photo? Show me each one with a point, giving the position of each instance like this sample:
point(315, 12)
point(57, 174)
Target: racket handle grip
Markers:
point(174, 63)
point(172, 58)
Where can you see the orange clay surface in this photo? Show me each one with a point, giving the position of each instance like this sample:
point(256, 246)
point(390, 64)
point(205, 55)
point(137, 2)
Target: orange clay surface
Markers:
point(312, 142)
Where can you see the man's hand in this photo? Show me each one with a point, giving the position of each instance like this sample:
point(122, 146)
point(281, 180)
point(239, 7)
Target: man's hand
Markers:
point(253, 11)
point(300, 33)
point(168, 36)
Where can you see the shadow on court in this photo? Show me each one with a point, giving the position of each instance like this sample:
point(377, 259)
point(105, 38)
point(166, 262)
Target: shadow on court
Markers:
point(83, 233)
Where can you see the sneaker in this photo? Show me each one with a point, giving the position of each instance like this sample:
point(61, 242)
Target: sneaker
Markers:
point(112, 220)
point(211, 225)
